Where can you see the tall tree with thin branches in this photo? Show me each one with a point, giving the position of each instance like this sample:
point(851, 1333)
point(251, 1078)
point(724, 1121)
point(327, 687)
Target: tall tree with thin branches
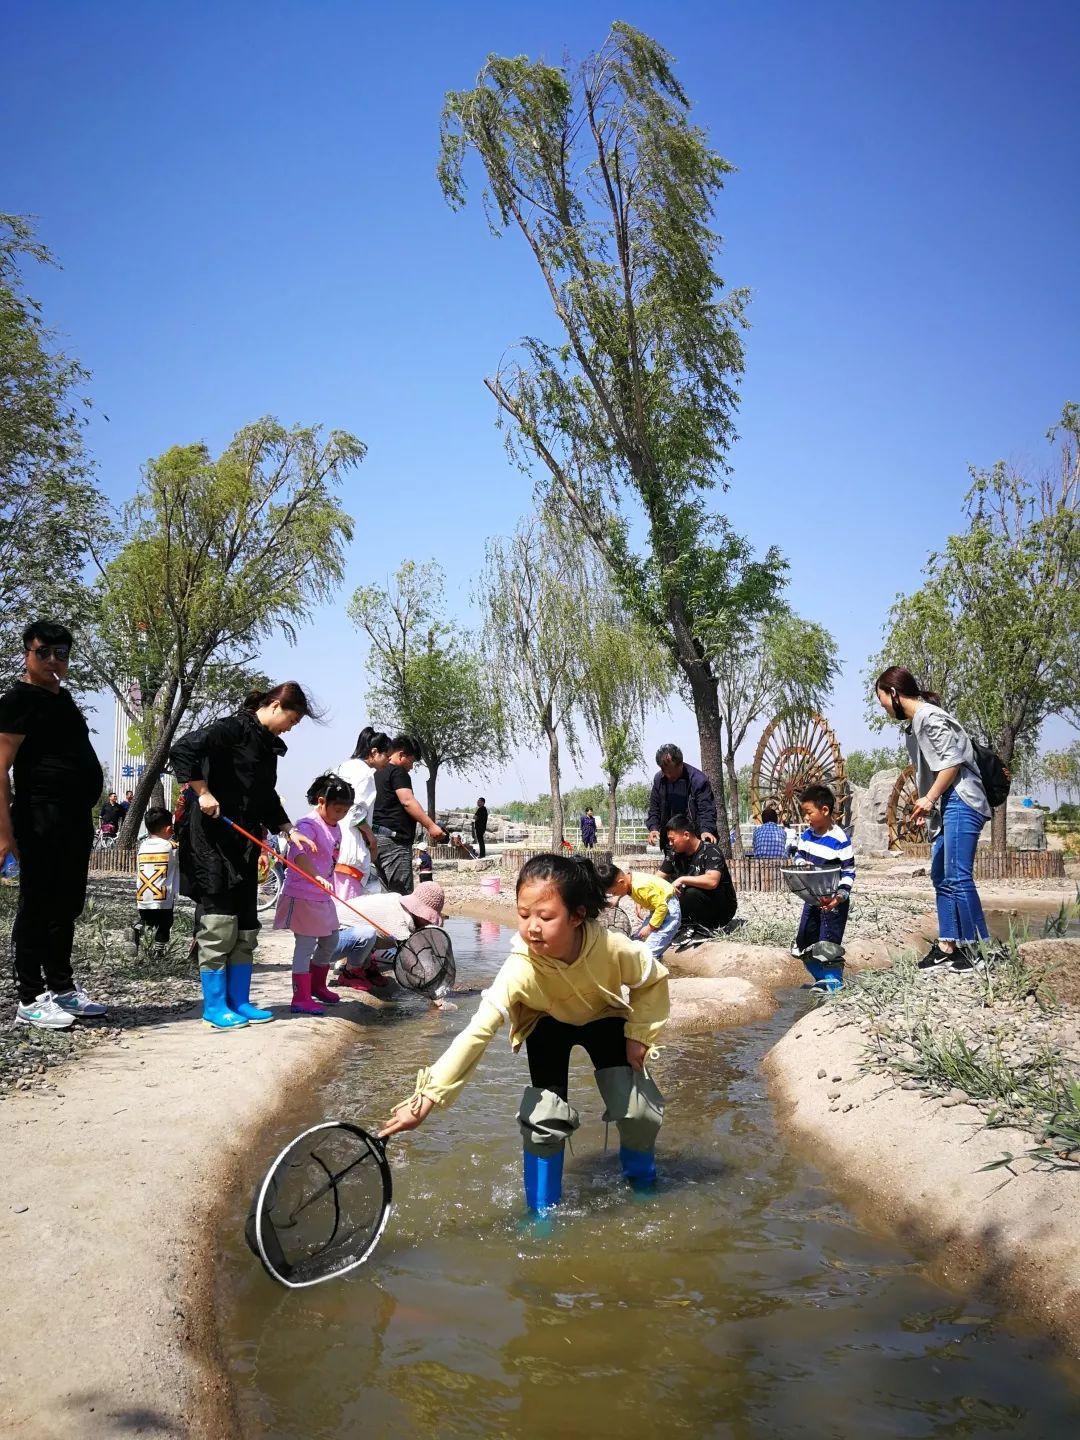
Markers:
point(629, 414)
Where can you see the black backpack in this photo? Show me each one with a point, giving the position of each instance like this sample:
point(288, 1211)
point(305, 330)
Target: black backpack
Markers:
point(994, 774)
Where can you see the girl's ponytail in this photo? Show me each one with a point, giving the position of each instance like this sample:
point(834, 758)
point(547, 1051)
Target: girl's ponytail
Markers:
point(898, 682)
point(575, 879)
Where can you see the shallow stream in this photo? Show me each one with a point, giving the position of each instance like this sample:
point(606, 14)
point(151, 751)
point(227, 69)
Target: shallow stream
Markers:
point(741, 1299)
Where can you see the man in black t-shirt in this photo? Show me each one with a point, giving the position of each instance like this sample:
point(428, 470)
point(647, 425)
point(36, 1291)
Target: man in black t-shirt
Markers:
point(700, 875)
point(479, 826)
point(48, 827)
point(397, 813)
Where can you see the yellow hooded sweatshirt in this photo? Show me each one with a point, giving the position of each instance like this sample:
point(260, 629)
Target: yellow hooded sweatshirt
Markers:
point(530, 986)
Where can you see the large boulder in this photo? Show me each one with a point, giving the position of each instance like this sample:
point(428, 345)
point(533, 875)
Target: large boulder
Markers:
point(1025, 826)
point(870, 811)
point(700, 1005)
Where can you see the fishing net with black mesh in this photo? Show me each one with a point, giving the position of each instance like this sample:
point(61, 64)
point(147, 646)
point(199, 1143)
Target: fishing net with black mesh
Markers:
point(425, 962)
point(616, 918)
point(322, 1205)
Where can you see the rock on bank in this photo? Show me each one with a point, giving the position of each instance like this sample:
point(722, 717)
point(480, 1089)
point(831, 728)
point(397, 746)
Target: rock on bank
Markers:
point(915, 1165)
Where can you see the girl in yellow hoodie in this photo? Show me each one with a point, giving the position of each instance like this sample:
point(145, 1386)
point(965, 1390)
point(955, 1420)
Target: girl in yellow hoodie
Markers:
point(567, 981)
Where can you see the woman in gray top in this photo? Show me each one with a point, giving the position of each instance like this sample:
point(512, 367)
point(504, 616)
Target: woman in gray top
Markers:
point(952, 803)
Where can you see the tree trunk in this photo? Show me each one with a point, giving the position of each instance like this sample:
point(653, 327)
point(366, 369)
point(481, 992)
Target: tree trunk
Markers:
point(149, 785)
point(733, 792)
point(1006, 749)
point(432, 776)
point(710, 742)
point(556, 792)
point(612, 813)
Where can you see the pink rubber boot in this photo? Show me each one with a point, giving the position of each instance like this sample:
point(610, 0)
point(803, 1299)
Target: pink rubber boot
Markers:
point(302, 1003)
point(318, 986)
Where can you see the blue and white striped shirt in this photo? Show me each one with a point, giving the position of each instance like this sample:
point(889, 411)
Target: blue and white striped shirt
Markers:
point(832, 848)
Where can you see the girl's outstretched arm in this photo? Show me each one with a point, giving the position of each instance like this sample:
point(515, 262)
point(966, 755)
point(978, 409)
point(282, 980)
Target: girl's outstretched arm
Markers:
point(407, 1116)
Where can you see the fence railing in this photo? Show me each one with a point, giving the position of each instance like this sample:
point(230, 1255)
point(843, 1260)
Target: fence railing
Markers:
point(113, 861)
point(1013, 865)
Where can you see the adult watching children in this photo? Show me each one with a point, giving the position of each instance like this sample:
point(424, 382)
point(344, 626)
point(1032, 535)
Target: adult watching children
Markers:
point(48, 828)
point(953, 805)
point(700, 876)
point(231, 766)
point(356, 870)
point(479, 826)
point(680, 789)
point(397, 813)
point(770, 837)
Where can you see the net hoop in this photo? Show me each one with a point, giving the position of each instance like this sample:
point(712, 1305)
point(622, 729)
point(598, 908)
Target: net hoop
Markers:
point(434, 939)
point(256, 1240)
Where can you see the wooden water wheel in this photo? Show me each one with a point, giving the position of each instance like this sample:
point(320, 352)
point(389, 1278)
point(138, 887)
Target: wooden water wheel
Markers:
point(898, 814)
point(796, 751)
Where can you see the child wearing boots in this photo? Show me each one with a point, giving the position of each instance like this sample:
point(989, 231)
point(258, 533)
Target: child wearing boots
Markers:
point(568, 981)
point(157, 881)
point(819, 942)
point(306, 905)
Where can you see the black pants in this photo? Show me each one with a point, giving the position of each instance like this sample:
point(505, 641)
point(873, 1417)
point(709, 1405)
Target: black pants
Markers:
point(549, 1045)
point(157, 924)
point(480, 850)
point(54, 856)
point(711, 908)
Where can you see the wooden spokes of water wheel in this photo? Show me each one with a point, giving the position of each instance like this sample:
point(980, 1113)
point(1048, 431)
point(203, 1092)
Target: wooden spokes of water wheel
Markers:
point(898, 814)
point(796, 751)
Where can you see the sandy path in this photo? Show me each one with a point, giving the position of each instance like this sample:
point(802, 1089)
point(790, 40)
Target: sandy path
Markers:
point(914, 1165)
point(121, 1173)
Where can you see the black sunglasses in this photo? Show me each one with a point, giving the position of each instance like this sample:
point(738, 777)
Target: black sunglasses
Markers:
point(52, 652)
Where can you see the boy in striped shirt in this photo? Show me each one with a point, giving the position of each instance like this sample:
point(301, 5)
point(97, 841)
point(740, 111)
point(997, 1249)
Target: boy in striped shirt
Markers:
point(819, 942)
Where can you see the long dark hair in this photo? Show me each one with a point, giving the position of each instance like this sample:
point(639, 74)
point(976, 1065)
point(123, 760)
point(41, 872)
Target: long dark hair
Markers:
point(370, 740)
point(331, 788)
point(898, 682)
point(576, 881)
point(289, 695)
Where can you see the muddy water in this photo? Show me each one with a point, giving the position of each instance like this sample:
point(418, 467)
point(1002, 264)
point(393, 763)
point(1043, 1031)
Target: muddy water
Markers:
point(740, 1300)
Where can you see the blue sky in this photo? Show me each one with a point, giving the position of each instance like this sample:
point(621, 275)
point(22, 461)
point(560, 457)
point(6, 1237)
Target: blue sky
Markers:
point(243, 199)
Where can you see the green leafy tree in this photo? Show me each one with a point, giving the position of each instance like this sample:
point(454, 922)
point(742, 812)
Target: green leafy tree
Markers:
point(861, 766)
point(623, 673)
point(631, 411)
point(49, 505)
point(427, 678)
point(212, 556)
point(780, 664)
point(995, 630)
point(1060, 769)
point(537, 614)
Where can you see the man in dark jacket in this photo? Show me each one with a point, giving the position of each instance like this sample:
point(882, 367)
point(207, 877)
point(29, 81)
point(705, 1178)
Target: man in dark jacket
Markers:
point(680, 789)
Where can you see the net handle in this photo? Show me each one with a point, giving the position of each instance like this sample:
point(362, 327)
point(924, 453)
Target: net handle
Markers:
point(303, 873)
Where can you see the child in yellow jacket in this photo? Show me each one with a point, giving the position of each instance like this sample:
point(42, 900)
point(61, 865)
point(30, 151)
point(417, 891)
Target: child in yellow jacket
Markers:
point(567, 981)
point(652, 893)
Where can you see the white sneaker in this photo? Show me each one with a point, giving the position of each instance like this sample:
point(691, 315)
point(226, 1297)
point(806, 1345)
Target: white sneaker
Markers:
point(44, 1013)
point(795, 952)
point(77, 1002)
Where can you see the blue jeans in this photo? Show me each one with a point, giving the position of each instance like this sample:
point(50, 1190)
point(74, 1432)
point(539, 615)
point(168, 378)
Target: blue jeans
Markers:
point(952, 861)
point(660, 939)
point(817, 924)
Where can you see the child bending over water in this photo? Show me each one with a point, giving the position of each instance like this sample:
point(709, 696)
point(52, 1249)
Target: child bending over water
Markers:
point(562, 985)
point(652, 893)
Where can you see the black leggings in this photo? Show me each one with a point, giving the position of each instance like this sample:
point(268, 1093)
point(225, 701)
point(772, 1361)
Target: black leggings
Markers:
point(549, 1046)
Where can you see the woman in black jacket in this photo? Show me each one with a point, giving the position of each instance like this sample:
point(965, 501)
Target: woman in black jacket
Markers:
point(231, 766)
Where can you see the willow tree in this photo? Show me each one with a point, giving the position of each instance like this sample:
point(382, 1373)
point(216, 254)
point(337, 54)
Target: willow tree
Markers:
point(537, 612)
point(623, 673)
point(995, 628)
point(775, 666)
point(426, 676)
point(213, 556)
point(630, 411)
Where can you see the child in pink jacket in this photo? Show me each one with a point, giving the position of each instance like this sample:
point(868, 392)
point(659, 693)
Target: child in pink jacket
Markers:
point(306, 906)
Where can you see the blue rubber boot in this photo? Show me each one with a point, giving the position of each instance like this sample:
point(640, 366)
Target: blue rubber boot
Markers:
point(237, 990)
point(639, 1166)
point(543, 1180)
point(216, 1011)
point(830, 980)
point(817, 970)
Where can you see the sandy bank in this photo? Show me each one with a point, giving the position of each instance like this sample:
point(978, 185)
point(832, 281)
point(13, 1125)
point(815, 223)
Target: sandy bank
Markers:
point(107, 1200)
point(914, 1164)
